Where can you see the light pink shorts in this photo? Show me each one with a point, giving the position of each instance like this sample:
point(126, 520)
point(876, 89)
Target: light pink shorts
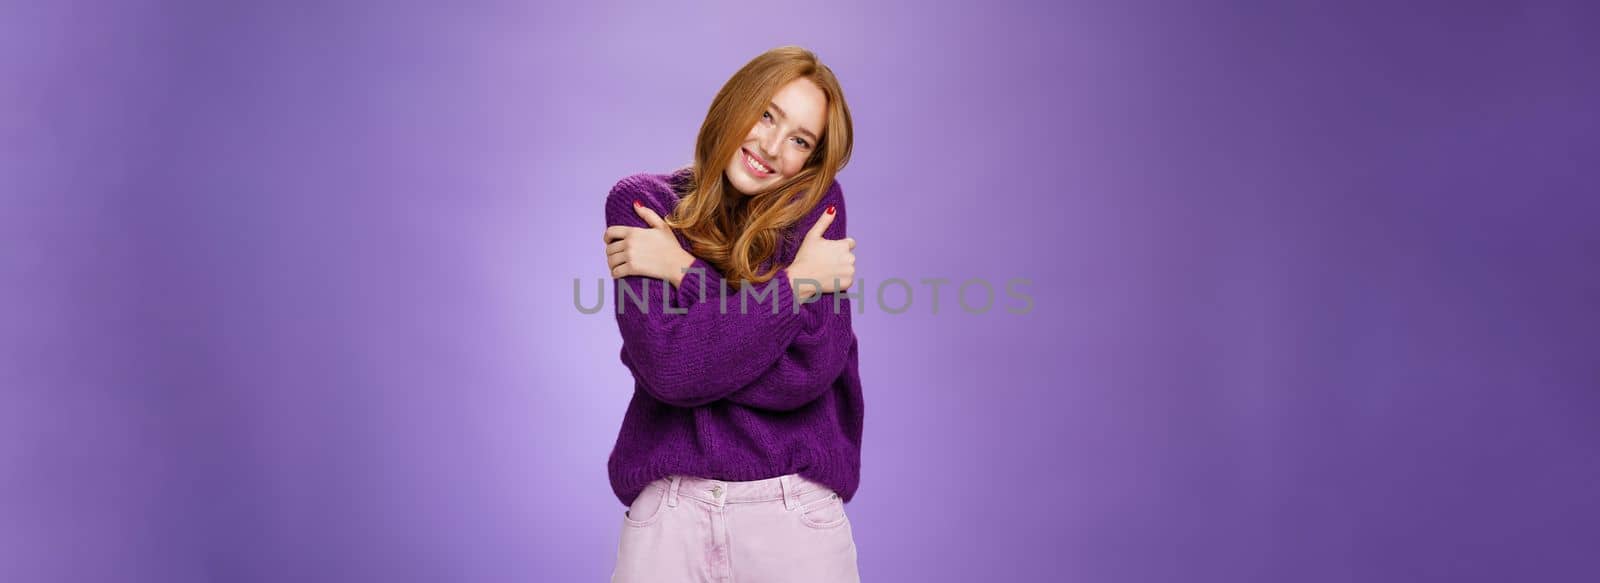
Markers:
point(683, 529)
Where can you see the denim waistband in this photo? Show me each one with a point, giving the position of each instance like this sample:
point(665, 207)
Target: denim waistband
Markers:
point(787, 488)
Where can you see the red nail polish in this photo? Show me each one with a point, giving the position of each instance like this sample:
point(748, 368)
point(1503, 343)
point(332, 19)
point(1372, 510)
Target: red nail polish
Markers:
point(830, 209)
point(637, 203)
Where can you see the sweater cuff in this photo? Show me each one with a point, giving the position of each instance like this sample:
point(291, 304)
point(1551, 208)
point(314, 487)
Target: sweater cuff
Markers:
point(698, 283)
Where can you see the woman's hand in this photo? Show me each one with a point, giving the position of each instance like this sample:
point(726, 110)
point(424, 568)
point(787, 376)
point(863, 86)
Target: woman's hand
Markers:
point(832, 263)
point(652, 252)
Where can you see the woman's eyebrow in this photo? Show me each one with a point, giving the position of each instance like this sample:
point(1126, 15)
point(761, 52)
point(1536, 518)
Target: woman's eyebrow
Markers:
point(784, 115)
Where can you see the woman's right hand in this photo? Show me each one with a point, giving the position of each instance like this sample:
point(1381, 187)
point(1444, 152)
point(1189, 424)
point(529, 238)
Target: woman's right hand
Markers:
point(830, 263)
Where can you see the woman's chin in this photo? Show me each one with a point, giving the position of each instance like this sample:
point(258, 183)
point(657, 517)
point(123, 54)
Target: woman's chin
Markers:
point(744, 184)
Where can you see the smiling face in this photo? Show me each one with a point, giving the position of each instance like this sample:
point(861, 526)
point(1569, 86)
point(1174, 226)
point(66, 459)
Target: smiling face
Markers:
point(778, 146)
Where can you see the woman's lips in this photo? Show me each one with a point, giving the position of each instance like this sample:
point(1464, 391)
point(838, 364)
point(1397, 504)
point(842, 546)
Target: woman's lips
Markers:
point(753, 166)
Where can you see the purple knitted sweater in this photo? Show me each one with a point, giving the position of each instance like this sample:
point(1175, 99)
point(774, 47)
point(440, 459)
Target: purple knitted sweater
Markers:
point(733, 396)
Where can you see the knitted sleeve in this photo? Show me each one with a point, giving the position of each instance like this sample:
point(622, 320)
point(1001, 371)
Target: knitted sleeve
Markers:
point(818, 353)
point(692, 345)
point(809, 365)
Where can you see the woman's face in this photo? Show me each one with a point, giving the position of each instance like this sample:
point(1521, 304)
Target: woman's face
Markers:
point(782, 140)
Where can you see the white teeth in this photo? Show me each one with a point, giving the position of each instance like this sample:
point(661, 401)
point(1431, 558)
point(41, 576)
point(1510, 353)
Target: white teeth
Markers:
point(757, 164)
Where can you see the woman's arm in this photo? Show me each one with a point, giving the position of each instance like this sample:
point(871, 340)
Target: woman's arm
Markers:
point(700, 353)
point(819, 353)
point(810, 364)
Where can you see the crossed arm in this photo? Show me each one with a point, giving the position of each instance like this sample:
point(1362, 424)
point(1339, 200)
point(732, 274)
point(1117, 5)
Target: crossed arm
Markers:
point(687, 349)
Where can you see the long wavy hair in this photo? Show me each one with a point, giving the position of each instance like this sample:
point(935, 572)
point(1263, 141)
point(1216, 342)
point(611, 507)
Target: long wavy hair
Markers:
point(734, 232)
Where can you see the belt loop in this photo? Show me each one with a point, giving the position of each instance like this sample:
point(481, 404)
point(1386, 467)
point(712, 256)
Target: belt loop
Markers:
point(789, 498)
point(672, 492)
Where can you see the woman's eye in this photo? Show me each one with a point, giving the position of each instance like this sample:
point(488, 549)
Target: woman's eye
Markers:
point(766, 115)
point(803, 143)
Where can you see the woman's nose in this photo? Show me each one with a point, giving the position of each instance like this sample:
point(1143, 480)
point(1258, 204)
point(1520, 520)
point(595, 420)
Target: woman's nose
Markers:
point(769, 145)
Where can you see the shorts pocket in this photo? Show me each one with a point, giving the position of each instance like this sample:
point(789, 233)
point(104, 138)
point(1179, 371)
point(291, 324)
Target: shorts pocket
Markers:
point(647, 507)
point(821, 508)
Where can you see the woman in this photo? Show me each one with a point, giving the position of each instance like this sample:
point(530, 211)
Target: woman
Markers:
point(742, 442)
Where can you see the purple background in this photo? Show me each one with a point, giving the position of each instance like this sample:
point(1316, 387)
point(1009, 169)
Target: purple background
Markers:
point(288, 290)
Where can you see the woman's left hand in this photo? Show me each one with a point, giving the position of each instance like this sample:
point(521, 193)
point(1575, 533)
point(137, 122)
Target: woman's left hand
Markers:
point(652, 252)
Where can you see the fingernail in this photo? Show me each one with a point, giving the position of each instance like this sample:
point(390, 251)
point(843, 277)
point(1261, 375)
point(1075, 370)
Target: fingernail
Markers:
point(637, 203)
point(830, 209)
